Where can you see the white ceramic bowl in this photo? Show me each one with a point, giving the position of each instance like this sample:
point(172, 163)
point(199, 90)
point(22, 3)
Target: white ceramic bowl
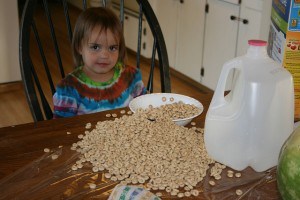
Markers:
point(156, 100)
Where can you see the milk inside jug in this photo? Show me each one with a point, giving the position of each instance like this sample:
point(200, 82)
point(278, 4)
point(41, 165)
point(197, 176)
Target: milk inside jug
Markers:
point(248, 126)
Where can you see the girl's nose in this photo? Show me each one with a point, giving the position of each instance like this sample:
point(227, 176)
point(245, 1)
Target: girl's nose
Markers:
point(104, 53)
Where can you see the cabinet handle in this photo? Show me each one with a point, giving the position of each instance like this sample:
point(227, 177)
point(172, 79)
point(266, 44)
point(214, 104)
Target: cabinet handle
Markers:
point(126, 17)
point(245, 21)
point(181, 1)
point(232, 17)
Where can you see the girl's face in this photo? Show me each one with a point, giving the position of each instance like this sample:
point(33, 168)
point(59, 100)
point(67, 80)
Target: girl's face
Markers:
point(100, 54)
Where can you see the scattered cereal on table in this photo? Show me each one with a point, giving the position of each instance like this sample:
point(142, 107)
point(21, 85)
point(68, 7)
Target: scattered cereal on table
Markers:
point(212, 183)
point(193, 123)
point(88, 125)
point(114, 178)
point(92, 185)
point(217, 176)
point(195, 193)
point(122, 112)
point(73, 148)
point(129, 112)
point(187, 194)
point(201, 130)
point(107, 175)
point(114, 115)
point(46, 150)
point(238, 174)
point(74, 167)
point(95, 169)
point(180, 195)
point(159, 194)
point(80, 136)
point(108, 115)
point(174, 193)
point(186, 188)
point(101, 168)
point(153, 140)
point(54, 156)
point(239, 192)
point(135, 181)
point(69, 133)
point(168, 189)
point(161, 187)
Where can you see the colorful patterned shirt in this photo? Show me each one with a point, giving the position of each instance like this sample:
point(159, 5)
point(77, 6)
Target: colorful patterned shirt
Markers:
point(77, 94)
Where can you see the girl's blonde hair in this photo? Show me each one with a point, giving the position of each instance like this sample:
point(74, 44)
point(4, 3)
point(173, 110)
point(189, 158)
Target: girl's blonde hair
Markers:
point(87, 21)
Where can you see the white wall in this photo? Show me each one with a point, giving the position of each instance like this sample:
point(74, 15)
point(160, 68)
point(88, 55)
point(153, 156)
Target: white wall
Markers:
point(9, 40)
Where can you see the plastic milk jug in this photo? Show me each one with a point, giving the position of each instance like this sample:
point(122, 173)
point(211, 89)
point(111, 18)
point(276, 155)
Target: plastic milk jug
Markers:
point(248, 126)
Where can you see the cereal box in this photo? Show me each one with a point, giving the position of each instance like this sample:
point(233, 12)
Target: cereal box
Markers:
point(284, 41)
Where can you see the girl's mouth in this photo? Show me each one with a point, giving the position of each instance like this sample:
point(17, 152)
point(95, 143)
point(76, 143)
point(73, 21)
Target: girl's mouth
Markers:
point(103, 64)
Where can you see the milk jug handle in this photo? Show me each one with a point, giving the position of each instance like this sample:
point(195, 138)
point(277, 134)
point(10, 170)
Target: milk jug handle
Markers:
point(218, 98)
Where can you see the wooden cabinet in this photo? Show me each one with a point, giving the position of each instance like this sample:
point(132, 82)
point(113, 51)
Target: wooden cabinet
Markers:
point(228, 27)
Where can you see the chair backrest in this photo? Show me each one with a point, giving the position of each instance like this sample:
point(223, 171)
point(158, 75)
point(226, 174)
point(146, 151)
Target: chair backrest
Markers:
point(45, 48)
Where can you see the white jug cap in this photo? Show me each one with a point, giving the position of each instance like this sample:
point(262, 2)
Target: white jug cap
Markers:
point(257, 42)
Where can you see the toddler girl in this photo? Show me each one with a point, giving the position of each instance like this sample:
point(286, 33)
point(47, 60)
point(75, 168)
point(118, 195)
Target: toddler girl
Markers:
point(101, 81)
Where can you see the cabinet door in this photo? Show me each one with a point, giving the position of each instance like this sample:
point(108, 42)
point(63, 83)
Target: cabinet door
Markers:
point(167, 15)
point(220, 39)
point(189, 43)
point(249, 24)
point(131, 24)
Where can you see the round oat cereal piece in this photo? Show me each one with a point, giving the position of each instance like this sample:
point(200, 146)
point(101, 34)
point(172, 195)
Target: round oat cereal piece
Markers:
point(74, 167)
point(212, 183)
point(180, 195)
point(107, 175)
point(159, 194)
point(239, 192)
point(187, 194)
point(54, 157)
point(195, 192)
point(92, 185)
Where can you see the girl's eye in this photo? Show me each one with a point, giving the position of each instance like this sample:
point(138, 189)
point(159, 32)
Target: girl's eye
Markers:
point(114, 48)
point(94, 47)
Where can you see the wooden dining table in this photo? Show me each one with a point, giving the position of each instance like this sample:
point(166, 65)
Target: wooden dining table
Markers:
point(28, 172)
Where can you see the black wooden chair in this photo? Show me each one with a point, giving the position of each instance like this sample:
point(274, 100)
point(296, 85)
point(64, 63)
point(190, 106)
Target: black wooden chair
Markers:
point(44, 61)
